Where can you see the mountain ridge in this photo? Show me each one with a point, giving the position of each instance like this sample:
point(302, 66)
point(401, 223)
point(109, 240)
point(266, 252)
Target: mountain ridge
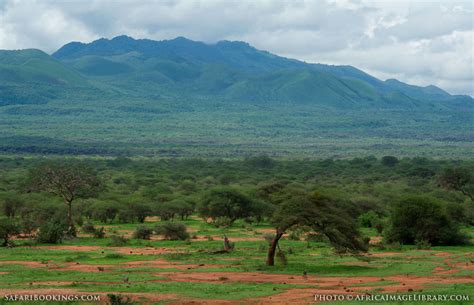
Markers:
point(184, 98)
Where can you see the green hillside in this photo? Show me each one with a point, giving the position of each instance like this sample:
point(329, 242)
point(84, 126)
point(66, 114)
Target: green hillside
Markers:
point(185, 98)
point(33, 77)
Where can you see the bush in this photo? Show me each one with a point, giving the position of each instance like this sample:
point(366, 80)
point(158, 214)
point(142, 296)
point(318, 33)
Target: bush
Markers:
point(99, 233)
point(117, 241)
point(422, 245)
point(88, 228)
point(52, 232)
point(294, 235)
point(423, 219)
point(172, 231)
point(8, 228)
point(116, 299)
point(142, 232)
point(222, 222)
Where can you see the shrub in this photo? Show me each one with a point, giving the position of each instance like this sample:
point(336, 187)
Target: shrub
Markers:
point(281, 256)
point(294, 235)
point(8, 228)
point(172, 231)
point(88, 228)
point(222, 222)
point(423, 219)
point(116, 299)
point(422, 245)
point(268, 237)
point(52, 232)
point(117, 241)
point(99, 233)
point(142, 232)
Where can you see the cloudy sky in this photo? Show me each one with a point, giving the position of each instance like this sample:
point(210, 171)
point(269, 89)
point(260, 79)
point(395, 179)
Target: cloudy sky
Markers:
point(419, 42)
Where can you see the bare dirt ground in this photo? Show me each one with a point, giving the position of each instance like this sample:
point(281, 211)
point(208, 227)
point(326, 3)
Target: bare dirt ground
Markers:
point(444, 273)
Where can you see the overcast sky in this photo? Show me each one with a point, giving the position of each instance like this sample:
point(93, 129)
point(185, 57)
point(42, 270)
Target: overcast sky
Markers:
point(419, 42)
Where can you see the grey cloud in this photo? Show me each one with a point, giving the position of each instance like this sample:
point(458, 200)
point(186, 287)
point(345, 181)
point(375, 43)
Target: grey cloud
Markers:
point(416, 41)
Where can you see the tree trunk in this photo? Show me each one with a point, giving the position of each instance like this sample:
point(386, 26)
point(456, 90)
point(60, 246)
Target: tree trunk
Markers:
point(272, 248)
point(227, 245)
point(71, 231)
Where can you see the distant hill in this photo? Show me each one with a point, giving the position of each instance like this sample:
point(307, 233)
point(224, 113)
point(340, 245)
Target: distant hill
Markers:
point(167, 93)
point(33, 77)
point(238, 71)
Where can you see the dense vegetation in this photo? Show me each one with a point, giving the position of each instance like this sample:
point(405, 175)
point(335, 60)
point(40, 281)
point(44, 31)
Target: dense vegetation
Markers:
point(185, 98)
point(409, 201)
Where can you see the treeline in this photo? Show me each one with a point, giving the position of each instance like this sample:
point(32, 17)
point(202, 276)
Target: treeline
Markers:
point(408, 201)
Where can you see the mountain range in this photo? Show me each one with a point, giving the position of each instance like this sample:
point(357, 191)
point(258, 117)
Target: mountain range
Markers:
point(139, 81)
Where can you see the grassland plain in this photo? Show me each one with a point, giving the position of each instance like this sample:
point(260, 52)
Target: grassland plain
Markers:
point(180, 272)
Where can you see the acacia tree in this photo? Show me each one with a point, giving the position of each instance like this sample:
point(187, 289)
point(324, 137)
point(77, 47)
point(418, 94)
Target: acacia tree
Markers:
point(68, 180)
point(319, 214)
point(228, 202)
point(458, 179)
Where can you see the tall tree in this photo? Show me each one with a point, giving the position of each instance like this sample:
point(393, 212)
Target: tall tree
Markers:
point(319, 214)
point(228, 202)
point(68, 180)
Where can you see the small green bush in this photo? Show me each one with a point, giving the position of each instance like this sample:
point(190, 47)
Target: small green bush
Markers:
point(172, 231)
point(52, 232)
point(117, 241)
point(422, 245)
point(99, 233)
point(143, 232)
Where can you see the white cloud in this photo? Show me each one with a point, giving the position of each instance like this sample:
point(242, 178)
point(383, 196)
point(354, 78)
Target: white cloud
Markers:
point(422, 42)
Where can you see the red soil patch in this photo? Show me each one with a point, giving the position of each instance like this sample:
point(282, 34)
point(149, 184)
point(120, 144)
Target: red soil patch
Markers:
point(51, 283)
point(144, 251)
point(323, 285)
point(264, 231)
point(82, 267)
point(54, 266)
point(160, 263)
point(257, 277)
point(70, 248)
